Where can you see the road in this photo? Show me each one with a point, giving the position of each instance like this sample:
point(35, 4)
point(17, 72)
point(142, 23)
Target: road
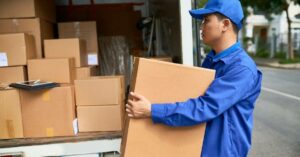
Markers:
point(276, 130)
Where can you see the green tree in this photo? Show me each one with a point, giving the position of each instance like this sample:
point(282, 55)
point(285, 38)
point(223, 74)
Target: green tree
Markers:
point(269, 7)
point(201, 3)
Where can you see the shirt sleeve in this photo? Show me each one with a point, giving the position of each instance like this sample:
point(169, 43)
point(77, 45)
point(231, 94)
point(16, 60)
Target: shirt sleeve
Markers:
point(223, 93)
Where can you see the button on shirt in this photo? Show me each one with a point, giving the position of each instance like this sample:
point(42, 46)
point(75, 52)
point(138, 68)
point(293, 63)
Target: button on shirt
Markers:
point(226, 107)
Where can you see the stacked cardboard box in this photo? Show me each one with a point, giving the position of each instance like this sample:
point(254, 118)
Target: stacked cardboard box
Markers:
point(10, 9)
point(62, 59)
point(37, 27)
point(76, 48)
point(34, 17)
point(48, 113)
point(42, 113)
point(10, 114)
point(59, 70)
point(67, 48)
point(86, 72)
point(163, 82)
point(15, 50)
point(12, 74)
point(100, 103)
point(85, 30)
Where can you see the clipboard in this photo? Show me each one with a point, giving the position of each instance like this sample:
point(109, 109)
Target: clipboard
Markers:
point(34, 85)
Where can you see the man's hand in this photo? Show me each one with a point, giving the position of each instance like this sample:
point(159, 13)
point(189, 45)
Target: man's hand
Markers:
point(138, 106)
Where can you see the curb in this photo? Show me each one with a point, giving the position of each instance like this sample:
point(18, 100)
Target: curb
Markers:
point(277, 66)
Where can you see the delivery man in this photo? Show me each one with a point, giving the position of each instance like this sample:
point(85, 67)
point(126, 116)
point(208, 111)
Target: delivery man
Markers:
point(227, 105)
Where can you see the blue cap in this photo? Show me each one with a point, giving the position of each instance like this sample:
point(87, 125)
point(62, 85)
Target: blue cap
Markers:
point(232, 9)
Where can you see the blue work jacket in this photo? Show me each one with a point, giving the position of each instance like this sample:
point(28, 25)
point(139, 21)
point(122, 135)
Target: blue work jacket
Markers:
point(227, 105)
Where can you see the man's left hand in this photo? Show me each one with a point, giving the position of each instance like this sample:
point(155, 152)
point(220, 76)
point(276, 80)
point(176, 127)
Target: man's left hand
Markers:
point(138, 106)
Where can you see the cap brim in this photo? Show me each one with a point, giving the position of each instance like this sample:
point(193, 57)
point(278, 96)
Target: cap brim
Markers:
point(199, 13)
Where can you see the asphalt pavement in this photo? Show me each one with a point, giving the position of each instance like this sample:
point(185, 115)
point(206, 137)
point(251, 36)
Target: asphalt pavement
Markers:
point(276, 130)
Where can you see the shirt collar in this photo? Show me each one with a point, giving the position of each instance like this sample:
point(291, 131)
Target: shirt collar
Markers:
point(223, 55)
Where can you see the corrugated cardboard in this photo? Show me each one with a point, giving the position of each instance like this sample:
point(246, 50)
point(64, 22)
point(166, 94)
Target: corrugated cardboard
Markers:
point(55, 70)
point(163, 82)
point(48, 113)
point(167, 59)
point(85, 30)
point(12, 74)
point(18, 48)
point(99, 118)
point(104, 90)
point(67, 48)
point(27, 9)
point(10, 114)
point(40, 29)
point(86, 72)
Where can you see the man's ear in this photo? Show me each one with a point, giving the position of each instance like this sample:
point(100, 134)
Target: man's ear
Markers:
point(226, 25)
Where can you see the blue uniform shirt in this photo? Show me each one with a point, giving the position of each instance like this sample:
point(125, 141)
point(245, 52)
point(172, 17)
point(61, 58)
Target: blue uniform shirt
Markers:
point(227, 105)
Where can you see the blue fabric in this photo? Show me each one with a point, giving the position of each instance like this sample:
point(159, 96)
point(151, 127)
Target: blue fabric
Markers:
point(227, 106)
point(229, 8)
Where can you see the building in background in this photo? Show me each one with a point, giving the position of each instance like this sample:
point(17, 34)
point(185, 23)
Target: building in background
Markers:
point(270, 35)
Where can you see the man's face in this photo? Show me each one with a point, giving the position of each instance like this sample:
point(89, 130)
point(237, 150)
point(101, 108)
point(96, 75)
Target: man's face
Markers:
point(211, 29)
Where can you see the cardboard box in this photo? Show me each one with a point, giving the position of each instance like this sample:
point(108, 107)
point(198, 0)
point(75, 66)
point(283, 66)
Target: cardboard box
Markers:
point(85, 30)
point(163, 82)
point(104, 90)
point(28, 9)
point(16, 49)
point(10, 114)
point(12, 74)
point(166, 59)
point(55, 70)
point(40, 29)
point(99, 118)
point(67, 48)
point(86, 72)
point(48, 113)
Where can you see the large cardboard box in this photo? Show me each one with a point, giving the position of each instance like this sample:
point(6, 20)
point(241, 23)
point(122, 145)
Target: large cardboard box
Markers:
point(10, 114)
point(40, 29)
point(166, 59)
point(67, 48)
point(28, 9)
point(104, 90)
point(85, 30)
point(55, 70)
point(12, 74)
point(163, 82)
point(86, 72)
point(99, 118)
point(48, 113)
point(16, 49)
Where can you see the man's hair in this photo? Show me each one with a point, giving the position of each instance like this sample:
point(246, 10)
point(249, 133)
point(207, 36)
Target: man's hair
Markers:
point(222, 17)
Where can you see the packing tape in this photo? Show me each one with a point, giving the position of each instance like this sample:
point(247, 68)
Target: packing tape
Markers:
point(10, 128)
point(15, 25)
point(49, 132)
point(77, 29)
point(46, 96)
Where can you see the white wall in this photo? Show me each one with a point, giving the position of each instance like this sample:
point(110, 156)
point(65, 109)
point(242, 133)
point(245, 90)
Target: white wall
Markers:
point(186, 32)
